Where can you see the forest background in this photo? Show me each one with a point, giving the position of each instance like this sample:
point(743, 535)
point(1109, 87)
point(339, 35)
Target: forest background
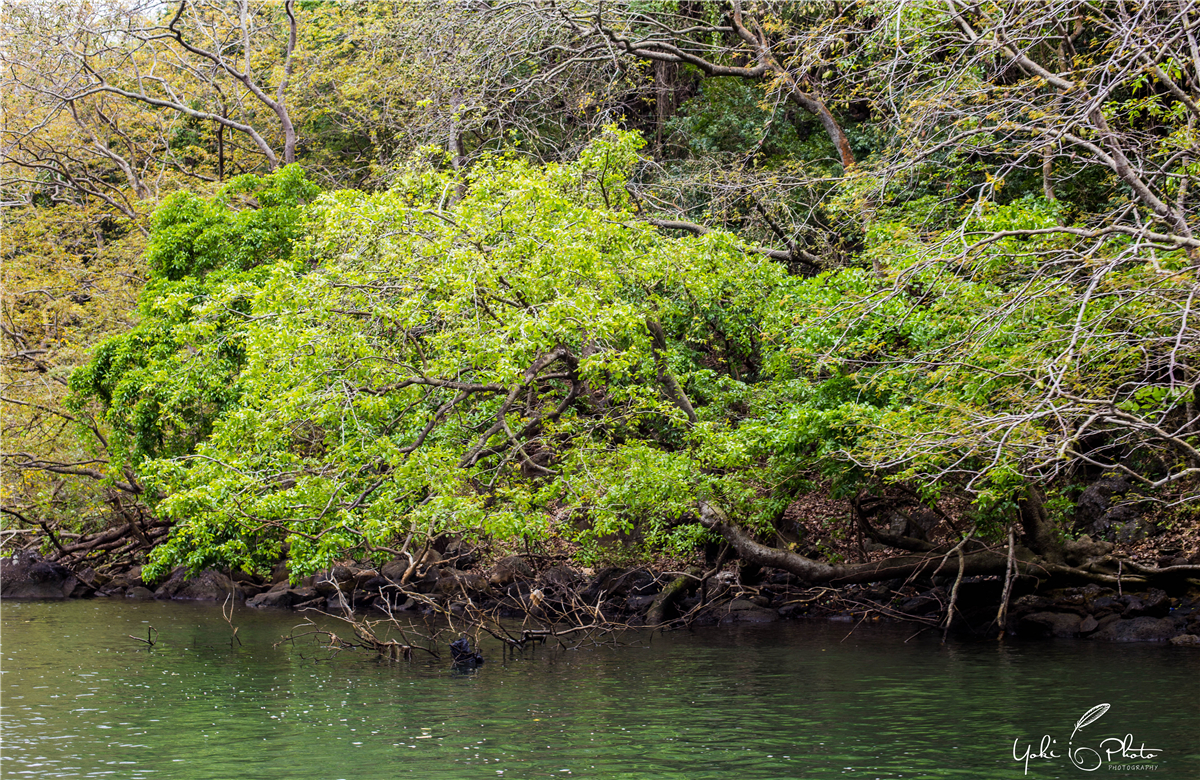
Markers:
point(349, 277)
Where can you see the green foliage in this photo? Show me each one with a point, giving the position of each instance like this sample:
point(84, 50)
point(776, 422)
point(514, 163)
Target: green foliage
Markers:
point(161, 384)
point(391, 381)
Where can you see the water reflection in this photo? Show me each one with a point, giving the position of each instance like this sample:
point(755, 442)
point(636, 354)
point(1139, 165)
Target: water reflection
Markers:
point(82, 699)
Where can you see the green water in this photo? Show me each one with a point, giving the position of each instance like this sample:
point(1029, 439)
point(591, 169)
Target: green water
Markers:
point(81, 699)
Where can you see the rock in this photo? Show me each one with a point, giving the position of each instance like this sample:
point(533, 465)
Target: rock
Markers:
point(564, 577)
point(454, 581)
point(791, 610)
point(208, 585)
point(1185, 640)
point(395, 570)
point(376, 585)
point(920, 605)
point(139, 593)
point(461, 554)
point(430, 557)
point(245, 578)
point(363, 576)
point(276, 598)
point(1139, 629)
point(1094, 504)
point(280, 573)
point(1058, 624)
point(508, 570)
point(1154, 603)
point(28, 576)
point(1080, 551)
point(639, 604)
point(330, 581)
point(1127, 528)
point(745, 611)
point(1088, 625)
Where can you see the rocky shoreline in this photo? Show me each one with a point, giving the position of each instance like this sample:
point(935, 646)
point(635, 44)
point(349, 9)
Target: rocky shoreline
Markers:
point(523, 585)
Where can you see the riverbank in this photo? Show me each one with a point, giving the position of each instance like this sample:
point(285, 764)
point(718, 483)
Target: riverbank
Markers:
point(551, 593)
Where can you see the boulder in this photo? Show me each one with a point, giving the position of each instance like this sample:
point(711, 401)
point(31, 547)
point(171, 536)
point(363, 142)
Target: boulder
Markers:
point(563, 577)
point(638, 604)
point(139, 593)
point(1154, 603)
point(329, 581)
point(28, 576)
point(744, 611)
point(394, 570)
point(1094, 509)
point(280, 598)
point(453, 581)
point(208, 585)
point(1186, 640)
point(1080, 551)
point(363, 576)
point(1139, 629)
point(508, 570)
point(1050, 624)
point(621, 582)
point(461, 554)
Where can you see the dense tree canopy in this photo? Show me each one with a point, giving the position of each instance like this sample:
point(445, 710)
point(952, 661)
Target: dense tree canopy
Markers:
point(577, 269)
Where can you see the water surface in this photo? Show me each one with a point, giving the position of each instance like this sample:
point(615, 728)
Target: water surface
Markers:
point(795, 700)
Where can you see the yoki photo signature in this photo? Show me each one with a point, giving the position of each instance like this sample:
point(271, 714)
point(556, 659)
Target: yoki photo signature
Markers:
point(1117, 753)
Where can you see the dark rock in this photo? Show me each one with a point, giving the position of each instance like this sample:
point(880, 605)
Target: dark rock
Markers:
point(1094, 504)
point(376, 584)
point(1088, 625)
point(1186, 640)
point(454, 581)
point(428, 582)
point(1033, 603)
point(1058, 624)
point(208, 585)
point(1154, 603)
point(27, 576)
point(430, 558)
point(463, 655)
point(395, 570)
point(784, 578)
point(744, 611)
point(79, 589)
point(1080, 551)
point(790, 610)
point(1139, 629)
point(639, 604)
point(139, 593)
point(615, 582)
point(565, 577)
point(330, 581)
point(280, 573)
point(508, 570)
point(363, 576)
point(920, 605)
point(1127, 528)
point(461, 554)
point(276, 598)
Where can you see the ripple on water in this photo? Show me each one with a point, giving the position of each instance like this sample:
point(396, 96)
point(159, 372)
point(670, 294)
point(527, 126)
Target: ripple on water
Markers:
point(84, 700)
